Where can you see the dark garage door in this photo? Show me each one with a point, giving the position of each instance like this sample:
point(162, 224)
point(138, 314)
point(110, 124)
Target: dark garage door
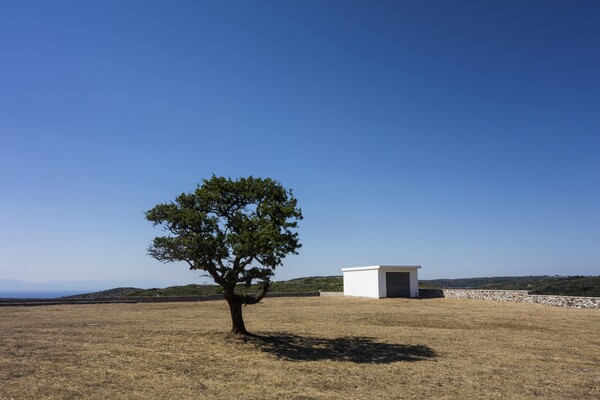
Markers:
point(397, 284)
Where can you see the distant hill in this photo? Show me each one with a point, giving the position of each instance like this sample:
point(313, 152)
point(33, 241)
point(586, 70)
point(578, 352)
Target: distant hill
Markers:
point(497, 282)
point(557, 285)
point(106, 294)
point(300, 285)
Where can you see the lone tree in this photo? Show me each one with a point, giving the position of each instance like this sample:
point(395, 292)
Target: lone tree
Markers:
point(236, 231)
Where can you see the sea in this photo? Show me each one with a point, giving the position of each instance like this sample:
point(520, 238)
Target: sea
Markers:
point(39, 294)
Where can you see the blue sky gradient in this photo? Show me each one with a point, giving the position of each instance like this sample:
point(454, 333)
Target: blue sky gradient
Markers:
point(460, 136)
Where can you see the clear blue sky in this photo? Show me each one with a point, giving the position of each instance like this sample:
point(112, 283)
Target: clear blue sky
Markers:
point(461, 136)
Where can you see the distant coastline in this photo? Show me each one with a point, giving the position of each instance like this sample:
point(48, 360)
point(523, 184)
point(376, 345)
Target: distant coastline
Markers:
point(38, 294)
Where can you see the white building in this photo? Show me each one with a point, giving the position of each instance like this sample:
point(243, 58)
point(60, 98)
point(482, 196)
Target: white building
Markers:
point(378, 281)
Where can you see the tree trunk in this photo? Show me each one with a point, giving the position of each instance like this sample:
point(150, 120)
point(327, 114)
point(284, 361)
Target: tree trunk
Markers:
point(236, 301)
point(237, 321)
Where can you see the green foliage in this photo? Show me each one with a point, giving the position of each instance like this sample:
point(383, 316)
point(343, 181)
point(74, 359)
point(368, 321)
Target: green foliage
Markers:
point(300, 285)
point(236, 231)
point(566, 286)
point(310, 284)
point(588, 286)
point(556, 285)
point(180, 291)
point(504, 282)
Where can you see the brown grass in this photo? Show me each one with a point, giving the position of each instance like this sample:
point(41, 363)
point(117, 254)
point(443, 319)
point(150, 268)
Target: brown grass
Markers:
point(306, 348)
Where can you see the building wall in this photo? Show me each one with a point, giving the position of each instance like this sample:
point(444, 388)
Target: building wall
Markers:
point(363, 283)
point(371, 281)
point(414, 284)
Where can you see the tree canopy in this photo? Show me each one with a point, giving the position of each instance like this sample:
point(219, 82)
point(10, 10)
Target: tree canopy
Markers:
point(237, 231)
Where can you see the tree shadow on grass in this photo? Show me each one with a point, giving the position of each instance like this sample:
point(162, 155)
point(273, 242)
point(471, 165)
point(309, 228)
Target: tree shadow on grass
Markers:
point(353, 349)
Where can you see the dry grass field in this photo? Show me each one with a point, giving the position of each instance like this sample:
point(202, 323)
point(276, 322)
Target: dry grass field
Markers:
point(305, 348)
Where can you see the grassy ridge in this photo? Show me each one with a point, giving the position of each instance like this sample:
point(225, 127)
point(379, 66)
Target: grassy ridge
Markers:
point(568, 286)
point(299, 285)
point(497, 282)
point(556, 285)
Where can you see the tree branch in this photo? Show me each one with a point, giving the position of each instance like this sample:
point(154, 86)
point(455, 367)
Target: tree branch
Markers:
point(244, 263)
point(212, 270)
point(247, 299)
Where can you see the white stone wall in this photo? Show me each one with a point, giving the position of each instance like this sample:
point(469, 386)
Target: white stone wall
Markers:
point(331, 294)
point(514, 295)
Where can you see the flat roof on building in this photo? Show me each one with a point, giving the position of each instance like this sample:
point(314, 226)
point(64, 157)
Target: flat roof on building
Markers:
point(380, 267)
